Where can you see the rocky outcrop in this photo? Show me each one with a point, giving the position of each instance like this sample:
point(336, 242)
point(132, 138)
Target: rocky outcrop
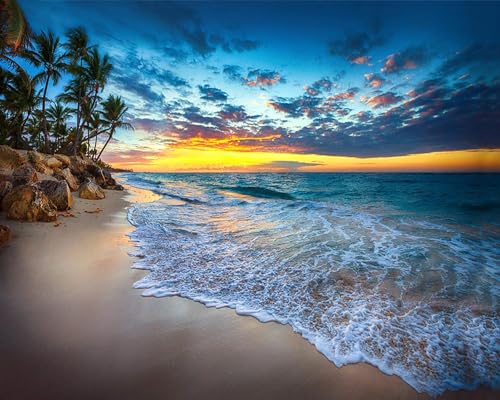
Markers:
point(58, 193)
point(23, 175)
point(9, 158)
point(35, 157)
point(28, 203)
point(5, 234)
point(91, 191)
point(79, 165)
point(69, 178)
point(65, 160)
point(53, 163)
point(5, 188)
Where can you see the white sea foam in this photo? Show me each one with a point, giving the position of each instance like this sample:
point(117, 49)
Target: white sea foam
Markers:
point(413, 297)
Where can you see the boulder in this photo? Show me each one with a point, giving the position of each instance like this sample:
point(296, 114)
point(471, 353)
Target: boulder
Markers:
point(65, 160)
point(23, 175)
point(113, 187)
point(5, 234)
point(35, 157)
point(97, 173)
point(58, 193)
point(79, 165)
point(5, 187)
point(69, 178)
point(91, 191)
point(43, 168)
point(28, 203)
point(53, 163)
point(10, 158)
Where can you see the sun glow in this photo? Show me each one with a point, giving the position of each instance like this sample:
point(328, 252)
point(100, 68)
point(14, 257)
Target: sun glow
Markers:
point(198, 157)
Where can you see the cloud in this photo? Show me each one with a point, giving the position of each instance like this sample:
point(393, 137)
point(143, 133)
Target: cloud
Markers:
point(233, 113)
point(209, 93)
point(322, 85)
point(410, 58)
point(374, 80)
point(259, 77)
point(288, 165)
point(476, 55)
point(233, 72)
point(355, 47)
point(384, 100)
point(134, 84)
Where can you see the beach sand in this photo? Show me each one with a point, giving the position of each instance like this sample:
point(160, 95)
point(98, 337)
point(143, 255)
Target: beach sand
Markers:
point(72, 327)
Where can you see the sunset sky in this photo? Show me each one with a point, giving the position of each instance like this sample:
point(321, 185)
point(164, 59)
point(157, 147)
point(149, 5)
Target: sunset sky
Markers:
point(297, 86)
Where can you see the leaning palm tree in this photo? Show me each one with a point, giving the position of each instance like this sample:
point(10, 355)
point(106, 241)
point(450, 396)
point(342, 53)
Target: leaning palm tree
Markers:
point(114, 110)
point(47, 55)
point(14, 33)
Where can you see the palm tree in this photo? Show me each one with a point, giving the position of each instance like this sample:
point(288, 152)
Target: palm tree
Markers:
point(47, 55)
point(113, 112)
point(57, 116)
point(78, 49)
point(20, 98)
point(14, 33)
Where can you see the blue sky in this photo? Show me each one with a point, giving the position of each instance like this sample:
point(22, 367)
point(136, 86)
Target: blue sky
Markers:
point(356, 79)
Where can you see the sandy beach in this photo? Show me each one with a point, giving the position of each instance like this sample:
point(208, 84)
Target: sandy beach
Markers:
point(74, 328)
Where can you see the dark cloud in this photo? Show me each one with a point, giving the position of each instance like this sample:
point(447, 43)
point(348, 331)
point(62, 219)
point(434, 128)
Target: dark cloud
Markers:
point(355, 47)
point(313, 106)
point(133, 84)
point(288, 165)
point(233, 113)
point(410, 58)
point(260, 77)
point(233, 72)
point(476, 55)
point(322, 85)
point(209, 93)
point(241, 45)
point(234, 45)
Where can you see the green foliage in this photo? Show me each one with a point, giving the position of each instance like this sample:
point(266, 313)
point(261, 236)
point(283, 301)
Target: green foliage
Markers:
point(75, 119)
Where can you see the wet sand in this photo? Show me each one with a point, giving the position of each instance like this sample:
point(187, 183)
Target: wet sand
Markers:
point(72, 327)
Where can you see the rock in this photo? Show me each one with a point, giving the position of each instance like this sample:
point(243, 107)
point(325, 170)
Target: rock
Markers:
point(79, 165)
point(65, 160)
point(53, 163)
point(97, 173)
point(91, 191)
point(5, 234)
point(35, 157)
point(58, 193)
point(10, 158)
point(29, 203)
point(113, 187)
point(70, 179)
point(5, 187)
point(24, 175)
point(43, 168)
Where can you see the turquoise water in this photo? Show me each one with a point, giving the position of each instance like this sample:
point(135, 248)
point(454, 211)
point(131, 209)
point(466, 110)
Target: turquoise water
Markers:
point(398, 270)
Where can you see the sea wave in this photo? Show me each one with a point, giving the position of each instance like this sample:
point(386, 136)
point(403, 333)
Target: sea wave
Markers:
point(414, 296)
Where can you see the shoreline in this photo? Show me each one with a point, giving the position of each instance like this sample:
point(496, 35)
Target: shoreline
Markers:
point(77, 328)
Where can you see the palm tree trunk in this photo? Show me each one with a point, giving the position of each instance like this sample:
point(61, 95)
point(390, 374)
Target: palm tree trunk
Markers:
point(44, 121)
point(105, 144)
point(76, 146)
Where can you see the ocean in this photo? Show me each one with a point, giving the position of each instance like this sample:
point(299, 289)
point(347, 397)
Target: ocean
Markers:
point(397, 270)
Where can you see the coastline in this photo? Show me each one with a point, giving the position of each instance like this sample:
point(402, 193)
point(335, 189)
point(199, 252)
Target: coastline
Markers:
point(75, 328)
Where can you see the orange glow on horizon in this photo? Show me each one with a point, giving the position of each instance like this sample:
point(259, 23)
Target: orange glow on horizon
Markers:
point(232, 159)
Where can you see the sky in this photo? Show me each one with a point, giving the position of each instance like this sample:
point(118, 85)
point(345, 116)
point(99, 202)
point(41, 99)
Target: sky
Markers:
point(297, 86)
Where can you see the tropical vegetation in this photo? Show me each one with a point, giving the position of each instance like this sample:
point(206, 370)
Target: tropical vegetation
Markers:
point(38, 111)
